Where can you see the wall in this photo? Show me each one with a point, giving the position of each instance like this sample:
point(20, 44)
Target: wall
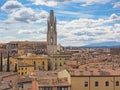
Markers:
point(78, 82)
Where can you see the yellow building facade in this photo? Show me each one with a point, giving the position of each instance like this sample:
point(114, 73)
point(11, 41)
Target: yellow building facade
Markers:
point(58, 60)
point(39, 62)
point(24, 68)
point(95, 82)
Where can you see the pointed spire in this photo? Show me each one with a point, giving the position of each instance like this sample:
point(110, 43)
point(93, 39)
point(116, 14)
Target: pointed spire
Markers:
point(1, 63)
point(51, 16)
point(8, 64)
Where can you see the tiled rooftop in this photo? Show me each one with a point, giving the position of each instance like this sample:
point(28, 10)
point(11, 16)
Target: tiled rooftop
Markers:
point(95, 72)
point(49, 78)
point(22, 64)
point(29, 55)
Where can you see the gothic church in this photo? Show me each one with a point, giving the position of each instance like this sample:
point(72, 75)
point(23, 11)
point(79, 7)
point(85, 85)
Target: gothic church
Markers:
point(36, 47)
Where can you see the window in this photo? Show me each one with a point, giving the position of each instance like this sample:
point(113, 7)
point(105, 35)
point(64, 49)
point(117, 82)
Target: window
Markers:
point(106, 83)
point(34, 65)
point(96, 83)
point(43, 68)
point(60, 64)
point(22, 68)
point(55, 66)
point(45, 88)
point(86, 84)
point(21, 73)
point(62, 88)
point(117, 83)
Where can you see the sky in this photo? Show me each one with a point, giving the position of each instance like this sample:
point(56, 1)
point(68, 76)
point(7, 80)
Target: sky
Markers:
point(79, 22)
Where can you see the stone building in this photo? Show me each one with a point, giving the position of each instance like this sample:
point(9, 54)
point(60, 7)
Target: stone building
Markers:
point(24, 47)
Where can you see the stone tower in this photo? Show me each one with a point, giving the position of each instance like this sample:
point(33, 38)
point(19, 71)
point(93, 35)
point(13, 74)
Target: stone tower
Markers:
point(51, 34)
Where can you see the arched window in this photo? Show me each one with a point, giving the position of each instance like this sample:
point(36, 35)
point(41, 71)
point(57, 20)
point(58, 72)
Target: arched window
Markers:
point(106, 83)
point(117, 83)
point(51, 28)
point(51, 40)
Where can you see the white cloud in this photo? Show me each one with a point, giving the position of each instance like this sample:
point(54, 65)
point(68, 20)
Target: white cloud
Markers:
point(73, 14)
point(91, 2)
point(86, 31)
point(19, 13)
point(11, 6)
point(53, 3)
point(114, 17)
point(33, 31)
point(116, 5)
point(37, 35)
point(7, 39)
point(46, 2)
point(27, 15)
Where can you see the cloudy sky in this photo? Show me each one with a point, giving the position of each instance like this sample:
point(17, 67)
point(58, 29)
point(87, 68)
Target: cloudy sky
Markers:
point(79, 22)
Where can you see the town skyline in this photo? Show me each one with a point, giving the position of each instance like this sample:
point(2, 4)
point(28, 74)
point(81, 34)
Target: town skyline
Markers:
point(80, 22)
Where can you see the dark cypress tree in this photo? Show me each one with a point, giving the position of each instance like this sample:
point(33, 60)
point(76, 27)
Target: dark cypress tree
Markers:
point(8, 63)
point(1, 63)
point(15, 67)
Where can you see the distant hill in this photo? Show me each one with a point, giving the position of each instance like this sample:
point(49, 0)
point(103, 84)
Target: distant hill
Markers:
point(103, 44)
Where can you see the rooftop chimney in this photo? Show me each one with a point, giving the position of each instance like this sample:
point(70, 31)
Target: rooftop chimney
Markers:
point(81, 72)
point(91, 72)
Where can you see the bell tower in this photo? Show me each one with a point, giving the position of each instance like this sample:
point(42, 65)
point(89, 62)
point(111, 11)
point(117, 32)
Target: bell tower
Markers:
point(51, 34)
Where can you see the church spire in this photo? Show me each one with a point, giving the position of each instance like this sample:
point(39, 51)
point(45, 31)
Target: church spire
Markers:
point(51, 33)
point(51, 16)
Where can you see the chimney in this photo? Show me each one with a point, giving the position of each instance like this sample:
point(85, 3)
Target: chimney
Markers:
point(113, 67)
point(34, 84)
point(81, 72)
point(86, 68)
point(91, 72)
point(99, 70)
point(8, 63)
point(1, 63)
